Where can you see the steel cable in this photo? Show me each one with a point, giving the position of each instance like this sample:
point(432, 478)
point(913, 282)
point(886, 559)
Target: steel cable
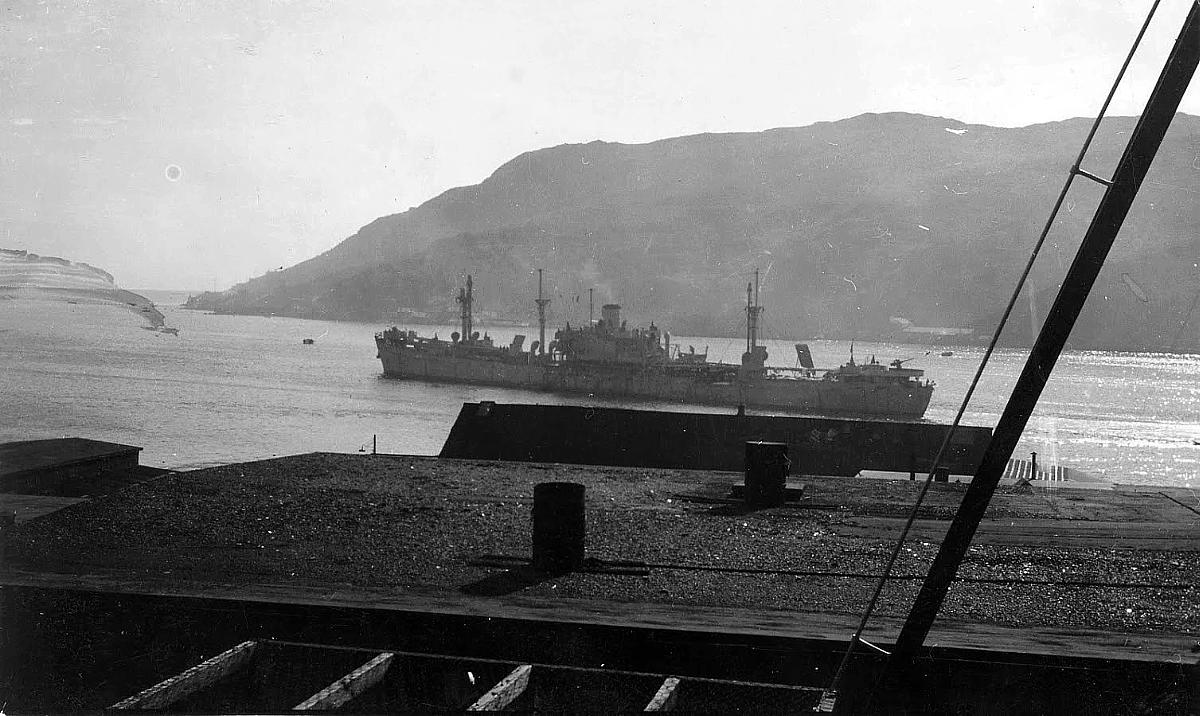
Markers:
point(1075, 170)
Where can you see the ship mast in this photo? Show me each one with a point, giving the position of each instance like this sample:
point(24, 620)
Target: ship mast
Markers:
point(753, 310)
point(541, 304)
point(465, 299)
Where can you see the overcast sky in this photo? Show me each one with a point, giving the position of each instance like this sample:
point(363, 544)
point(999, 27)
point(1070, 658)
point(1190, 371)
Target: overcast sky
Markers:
point(195, 144)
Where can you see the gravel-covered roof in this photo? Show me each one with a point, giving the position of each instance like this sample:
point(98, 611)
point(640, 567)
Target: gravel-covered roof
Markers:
point(1115, 560)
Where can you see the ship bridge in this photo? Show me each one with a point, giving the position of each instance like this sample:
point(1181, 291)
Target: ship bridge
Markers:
point(609, 341)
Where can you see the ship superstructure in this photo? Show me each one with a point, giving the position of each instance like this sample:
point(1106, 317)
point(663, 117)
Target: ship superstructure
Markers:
point(606, 358)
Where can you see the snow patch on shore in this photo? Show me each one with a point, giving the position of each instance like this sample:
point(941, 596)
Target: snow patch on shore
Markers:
point(21, 269)
point(26, 275)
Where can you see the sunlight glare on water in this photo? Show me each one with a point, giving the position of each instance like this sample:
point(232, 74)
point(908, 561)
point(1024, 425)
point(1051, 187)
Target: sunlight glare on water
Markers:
point(235, 388)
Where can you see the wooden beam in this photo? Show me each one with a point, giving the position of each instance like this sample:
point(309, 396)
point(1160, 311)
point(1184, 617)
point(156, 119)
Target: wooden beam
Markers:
point(664, 699)
point(349, 686)
point(505, 692)
point(198, 677)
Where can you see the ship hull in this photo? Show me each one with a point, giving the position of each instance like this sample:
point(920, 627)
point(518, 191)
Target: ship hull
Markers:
point(801, 395)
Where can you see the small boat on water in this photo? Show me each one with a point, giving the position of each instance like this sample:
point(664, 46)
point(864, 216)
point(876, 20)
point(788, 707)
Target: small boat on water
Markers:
point(308, 341)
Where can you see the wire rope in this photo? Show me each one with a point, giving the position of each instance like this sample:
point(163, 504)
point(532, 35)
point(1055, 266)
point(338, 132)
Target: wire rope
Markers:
point(1075, 170)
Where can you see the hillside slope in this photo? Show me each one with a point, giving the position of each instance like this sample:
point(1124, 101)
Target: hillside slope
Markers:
point(853, 223)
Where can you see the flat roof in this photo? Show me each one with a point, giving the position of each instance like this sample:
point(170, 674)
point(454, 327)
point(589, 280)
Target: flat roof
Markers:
point(426, 530)
point(27, 455)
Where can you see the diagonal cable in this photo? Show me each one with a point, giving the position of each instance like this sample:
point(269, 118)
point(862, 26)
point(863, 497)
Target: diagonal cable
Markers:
point(1075, 170)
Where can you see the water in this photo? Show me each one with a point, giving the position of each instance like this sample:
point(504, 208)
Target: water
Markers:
point(236, 388)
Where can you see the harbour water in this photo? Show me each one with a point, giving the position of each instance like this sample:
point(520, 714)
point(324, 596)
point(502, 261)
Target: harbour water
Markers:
point(238, 388)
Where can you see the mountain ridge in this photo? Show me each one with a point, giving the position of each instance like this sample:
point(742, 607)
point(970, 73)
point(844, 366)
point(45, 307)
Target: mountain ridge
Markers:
point(868, 218)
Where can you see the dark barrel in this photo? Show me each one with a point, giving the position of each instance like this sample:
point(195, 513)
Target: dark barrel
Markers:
point(558, 526)
point(766, 473)
point(8, 521)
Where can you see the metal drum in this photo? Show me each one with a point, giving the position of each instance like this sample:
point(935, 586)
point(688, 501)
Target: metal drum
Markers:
point(766, 473)
point(558, 526)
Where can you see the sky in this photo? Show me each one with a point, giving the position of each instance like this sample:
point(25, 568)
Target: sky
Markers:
point(194, 144)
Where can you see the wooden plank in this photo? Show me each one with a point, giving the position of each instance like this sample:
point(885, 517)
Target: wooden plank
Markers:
point(664, 699)
point(200, 676)
point(1083, 642)
point(349, 686)
point(505, 692)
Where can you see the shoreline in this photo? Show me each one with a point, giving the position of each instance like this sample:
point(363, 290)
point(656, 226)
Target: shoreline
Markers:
point(143, 306)
point(909, 338)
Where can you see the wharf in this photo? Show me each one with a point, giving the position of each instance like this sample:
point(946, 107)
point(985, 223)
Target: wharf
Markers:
point(1108, 575)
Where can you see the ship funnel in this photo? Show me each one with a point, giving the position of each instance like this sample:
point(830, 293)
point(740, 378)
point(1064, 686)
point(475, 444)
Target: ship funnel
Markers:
point(610, 313)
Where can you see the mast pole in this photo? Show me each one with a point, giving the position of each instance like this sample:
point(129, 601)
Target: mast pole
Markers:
point(591, 310)
point(749, 318)
point(469, 322)
point(752, 311)
point(757, 310)
point(541, 306)
point(464, 310)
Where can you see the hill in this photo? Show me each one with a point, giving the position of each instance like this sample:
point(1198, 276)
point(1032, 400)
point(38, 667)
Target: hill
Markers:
point(859, 226)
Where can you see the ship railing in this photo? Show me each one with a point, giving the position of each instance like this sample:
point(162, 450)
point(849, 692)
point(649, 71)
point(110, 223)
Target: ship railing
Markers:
point(790, 371)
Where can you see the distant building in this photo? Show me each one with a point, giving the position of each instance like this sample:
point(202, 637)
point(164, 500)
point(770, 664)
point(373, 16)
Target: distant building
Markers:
point(928, 332)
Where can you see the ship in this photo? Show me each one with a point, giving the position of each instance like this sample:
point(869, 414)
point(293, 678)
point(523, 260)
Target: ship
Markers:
point(607, 359)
